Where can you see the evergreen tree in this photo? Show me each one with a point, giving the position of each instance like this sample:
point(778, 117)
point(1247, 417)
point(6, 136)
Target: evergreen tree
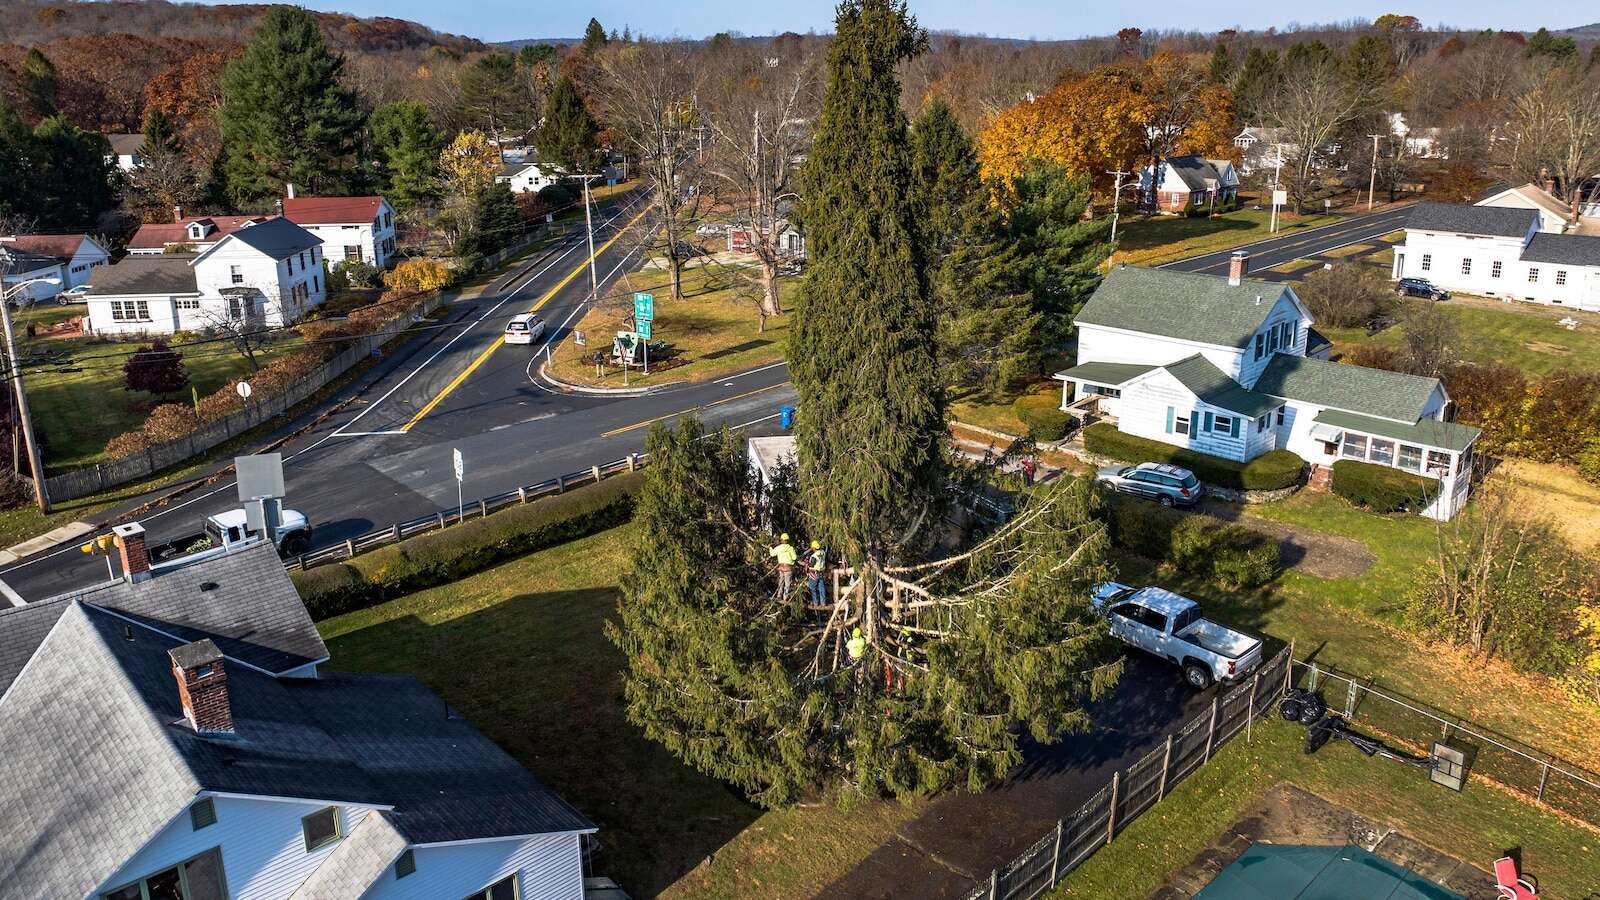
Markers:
point(1562, 50)
point(1367, 64)
point(39, 84)
point(1307, 55)
point(1257, 81)
point(594, 37)
point(71, 180)
point(408, 146)
point(944, 175)
point(567, 136)
point(285, 117)
point(536, 55)
point(159, 135)
point(498, 220)
point(988, 329)
point(19, 200)
point(1221, 69)
point(495, 98)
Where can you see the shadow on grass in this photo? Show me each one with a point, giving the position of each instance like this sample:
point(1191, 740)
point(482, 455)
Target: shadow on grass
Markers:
point(1158, 230)
point(535, 674)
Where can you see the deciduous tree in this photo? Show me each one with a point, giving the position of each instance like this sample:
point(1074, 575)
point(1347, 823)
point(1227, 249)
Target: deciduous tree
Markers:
point(1312, 103)
point(469, 164)
point(1087, 125)
point(156, 369)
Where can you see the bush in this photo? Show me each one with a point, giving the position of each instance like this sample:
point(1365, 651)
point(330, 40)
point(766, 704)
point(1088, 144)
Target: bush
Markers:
point(1382, 488)
point(418, 276)
point(1194, 544)
point(1044, 419)
point(441, 557)
point(1348, 295)
point(1267, 472)
point(1589, 461)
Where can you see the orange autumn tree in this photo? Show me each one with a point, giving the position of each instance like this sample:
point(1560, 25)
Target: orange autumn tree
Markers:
point(1211, 132)
point(1086, 124)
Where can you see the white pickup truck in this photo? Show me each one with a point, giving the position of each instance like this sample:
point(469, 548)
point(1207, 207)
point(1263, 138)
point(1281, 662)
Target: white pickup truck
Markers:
point(226, 531)
point(1170, 626)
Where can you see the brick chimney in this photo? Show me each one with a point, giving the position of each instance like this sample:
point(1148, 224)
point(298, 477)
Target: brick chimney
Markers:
point(202, 686)
point(131, 550)
point(1238, 267)
point(177, 214)
point(289, 186)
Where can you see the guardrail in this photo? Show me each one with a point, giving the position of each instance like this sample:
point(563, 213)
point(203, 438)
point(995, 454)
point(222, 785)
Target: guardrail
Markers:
point(479, 508)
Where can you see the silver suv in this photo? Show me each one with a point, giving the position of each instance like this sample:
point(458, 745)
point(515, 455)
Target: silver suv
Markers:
point(1166, 484)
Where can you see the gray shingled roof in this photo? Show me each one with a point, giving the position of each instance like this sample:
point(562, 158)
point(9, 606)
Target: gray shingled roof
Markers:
point(1185, 305)
point(22, 629)
point(1494, 221)
point(1212, 386)
point(358, 861)
point(125, 144)
point(1108, 373)
point(1563, 250)
point(1357, 389)
point(1194, 170)
point(134, 276)
point(278, 238)
point(1426, 432)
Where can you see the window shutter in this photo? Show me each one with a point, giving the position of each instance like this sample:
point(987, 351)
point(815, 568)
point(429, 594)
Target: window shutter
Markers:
point(1169, 419)
point(1208, 421)
point(1235, 431)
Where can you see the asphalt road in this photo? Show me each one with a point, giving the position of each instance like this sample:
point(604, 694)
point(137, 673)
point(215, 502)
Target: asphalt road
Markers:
point(385, 456)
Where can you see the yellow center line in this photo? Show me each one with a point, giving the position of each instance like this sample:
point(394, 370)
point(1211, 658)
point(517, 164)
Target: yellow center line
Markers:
point(499, 341)
point(637, 425)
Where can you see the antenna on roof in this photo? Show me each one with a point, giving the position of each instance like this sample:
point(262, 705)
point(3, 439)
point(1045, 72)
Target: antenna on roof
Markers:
point(127, 632)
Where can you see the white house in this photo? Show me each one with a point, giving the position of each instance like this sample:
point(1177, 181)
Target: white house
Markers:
point(1179, 184)
point(68, 258)
point(268, 273)
point(1555, 217)
point(125, 150)
point(1421, 142)
point(169, 735)
point(187, 234)
point(528, 176)
point(359, 228)
point(1220, 365)
point(1499, 251)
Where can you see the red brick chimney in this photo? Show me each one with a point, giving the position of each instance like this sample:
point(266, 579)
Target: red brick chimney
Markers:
point(1238, 267)
point(131, 550)
point(202, 686)
point(177, 214)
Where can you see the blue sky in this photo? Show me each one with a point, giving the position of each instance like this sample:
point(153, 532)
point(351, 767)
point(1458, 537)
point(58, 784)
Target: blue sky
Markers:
point(498, 20)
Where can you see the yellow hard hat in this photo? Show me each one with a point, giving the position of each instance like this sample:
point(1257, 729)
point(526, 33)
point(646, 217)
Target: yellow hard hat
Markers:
point(856, 633)
point(783, 537)
point(816, 545)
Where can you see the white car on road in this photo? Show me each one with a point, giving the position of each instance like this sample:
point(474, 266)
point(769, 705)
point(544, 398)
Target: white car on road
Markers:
point(524, 329)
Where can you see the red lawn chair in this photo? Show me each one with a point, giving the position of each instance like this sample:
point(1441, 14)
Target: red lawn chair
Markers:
point(1511, 886)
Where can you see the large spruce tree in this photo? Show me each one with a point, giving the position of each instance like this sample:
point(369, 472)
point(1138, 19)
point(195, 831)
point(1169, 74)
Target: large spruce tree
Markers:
point(285, 118)
point(408, 149)
point(566, 138)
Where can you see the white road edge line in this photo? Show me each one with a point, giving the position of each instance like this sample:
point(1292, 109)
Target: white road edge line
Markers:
point(1282, 236)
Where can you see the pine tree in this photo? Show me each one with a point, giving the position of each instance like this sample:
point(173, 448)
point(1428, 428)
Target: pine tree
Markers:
point(944, 168)
point(988, 329)
point(1257, 81)
point(1221, 69)
point(498, 220)
point(594, 37)
point(71, 179)
point(567, 137)
point(409, 146)
point(495, 99)
point(1059, 252)
point(159, 135)
point(39, 84)
point(285, 117)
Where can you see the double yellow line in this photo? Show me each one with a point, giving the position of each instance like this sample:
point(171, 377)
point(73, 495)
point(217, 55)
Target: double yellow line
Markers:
point(498, 341)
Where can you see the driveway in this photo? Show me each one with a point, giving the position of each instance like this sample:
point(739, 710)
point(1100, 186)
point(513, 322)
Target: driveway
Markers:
point(1302, 549)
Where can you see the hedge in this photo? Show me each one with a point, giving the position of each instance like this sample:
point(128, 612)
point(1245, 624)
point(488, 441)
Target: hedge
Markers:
point(1267, 472)
point(1194, 543)
point(440, 557)
point(1382, 488)
point(1044, 419)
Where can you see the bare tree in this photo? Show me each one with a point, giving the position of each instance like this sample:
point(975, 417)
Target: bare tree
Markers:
point(1174, 89)
point(1312, 102)
point(1430, 336)
point(241, 323)
point(649, 92)
point(1555, 127)
point(759, 119)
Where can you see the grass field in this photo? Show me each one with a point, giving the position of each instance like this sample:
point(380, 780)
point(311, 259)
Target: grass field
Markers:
point(1152, 240)
point(713, 329)
point(1517, 334)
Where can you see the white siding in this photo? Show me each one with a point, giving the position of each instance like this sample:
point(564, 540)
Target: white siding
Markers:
point(263, 849)
point(1144, 410)
point(214, 272)
point(1097, 343)
point(163, 316)
point(549, 867)
point(38, 291)
point(373, 240)
point(1445, 253)
point(1284, 310)
point(529, 181)
point(83, 263)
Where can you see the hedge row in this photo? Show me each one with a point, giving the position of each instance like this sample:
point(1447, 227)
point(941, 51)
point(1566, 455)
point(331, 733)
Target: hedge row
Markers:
point(1194, 543)
point(1045, 421)
point(1267, 472)
point(441, 557)
point(1382, 488)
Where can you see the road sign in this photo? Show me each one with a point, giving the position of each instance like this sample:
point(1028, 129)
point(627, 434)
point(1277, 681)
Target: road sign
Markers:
point(259, 477)
point(1280, 198)
point(243, 390)
point(644, 306)
point(642, 327)
point(579, 339)
point(460, 464)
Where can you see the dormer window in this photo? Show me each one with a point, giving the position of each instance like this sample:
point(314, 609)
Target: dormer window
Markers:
point(196, 231)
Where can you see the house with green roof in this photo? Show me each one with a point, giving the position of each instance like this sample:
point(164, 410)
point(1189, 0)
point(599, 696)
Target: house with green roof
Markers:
point(1232, 366)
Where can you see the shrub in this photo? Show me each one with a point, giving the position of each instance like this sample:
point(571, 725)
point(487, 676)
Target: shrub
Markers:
point(418, 276)
point(1267, 472)
point(170, 422)
point(1382, 488)
point(356, 273)
point(1194, 544)
point(1044, 419)
point(155, 369)
point(441, 557)
point(1589, 461)
point(1347, 296)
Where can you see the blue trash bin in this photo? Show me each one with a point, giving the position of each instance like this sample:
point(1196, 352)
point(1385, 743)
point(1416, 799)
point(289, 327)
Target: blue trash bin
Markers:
point(786, 417)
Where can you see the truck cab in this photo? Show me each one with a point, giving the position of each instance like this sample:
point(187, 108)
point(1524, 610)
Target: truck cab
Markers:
point(1171, 626)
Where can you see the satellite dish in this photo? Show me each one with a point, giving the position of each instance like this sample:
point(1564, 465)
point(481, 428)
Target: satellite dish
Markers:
point(243, 390)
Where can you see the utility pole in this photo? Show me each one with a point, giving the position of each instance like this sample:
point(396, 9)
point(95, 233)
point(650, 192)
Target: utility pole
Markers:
point(22, 410)
point(1116, 200)
point(1372, 183)
point(1277, 168)
point(588, 225)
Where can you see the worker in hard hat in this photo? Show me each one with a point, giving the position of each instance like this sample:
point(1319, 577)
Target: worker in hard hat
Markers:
point(816, 575)
point(786, 556)
point(857, 645)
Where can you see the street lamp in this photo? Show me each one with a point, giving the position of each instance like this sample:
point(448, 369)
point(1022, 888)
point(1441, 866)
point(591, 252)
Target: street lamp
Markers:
point(22, 396)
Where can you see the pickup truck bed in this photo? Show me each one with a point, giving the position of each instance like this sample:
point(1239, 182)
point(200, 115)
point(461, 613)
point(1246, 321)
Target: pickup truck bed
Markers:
point(1221, 641)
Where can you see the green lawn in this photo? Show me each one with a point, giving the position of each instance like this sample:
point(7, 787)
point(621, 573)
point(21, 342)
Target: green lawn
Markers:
point(1519, 335)
point(1477, 826)
point(1152, 240)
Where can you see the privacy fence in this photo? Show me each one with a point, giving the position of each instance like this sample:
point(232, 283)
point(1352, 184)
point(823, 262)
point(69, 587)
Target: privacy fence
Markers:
point(1137, 788)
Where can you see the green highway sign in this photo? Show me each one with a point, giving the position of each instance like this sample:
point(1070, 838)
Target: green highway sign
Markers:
point(642, 328)
point(644, 306)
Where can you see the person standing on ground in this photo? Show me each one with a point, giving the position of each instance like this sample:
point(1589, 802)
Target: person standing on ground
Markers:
point(816, 574)
point(1028, 466)
point(785, 554)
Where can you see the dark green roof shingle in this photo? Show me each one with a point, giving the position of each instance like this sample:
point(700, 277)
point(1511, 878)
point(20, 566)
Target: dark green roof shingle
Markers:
point(1208, 382)
point(1357, 389)
point(1186, 305)
point(1427, 432)
point(1109, 373)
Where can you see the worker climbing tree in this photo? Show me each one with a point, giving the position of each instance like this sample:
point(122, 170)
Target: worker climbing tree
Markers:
point(912, 676)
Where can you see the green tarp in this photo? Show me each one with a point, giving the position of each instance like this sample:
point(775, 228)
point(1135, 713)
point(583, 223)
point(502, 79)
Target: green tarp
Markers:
point(1297, 872)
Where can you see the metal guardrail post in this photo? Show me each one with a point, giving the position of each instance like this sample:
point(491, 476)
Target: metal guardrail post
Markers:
point(522, 494)
point(595, 471)
point(349, 548)
point(394, 532)
point(441, 521)
point(994, 884)
point(561, 484)
point(1111, 815)
point(633, 463)
point(1211, 731)
point(483, 509)
point(1166, 762)
point(1055, 858)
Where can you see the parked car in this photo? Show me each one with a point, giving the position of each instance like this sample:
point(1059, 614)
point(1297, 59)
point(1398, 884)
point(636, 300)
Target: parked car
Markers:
point(1166, 484)
point(79, 294)
point(1421, 287)
point(1170, 626)
point(524, 329)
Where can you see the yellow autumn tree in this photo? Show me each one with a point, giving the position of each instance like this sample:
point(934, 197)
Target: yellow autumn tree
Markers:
point(1211, 133)
point(469, 163)
point(1087, 124)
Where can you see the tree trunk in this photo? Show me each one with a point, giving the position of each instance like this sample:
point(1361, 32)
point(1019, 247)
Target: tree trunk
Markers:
point(769, 288)
point(676, 265)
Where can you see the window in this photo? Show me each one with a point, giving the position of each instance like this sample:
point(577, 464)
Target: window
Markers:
point(505, 889)
point(188, 304)
point(1427, 262)
point(1261, 424)
point(1410, 458)
point(405, 865)
point(1222, 425)
point(1107, 392)
point(197, 879)
point(1533, 274)
point(1355, 447)
point(1280, 416)
point(1272, 338)
point(1561, 276)
point(1181, 425)
point(290, 263)
point(1494, 269)
point(352, 251)
point(1382, 452)
point(1289, 334)
point(321, 828)
point(1261, 343)
point(202, 814)
point(130, 310)
point(316, 284)
point(236, 275)
point(1438, 463)
point(302, 260)
point(1466, 266)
